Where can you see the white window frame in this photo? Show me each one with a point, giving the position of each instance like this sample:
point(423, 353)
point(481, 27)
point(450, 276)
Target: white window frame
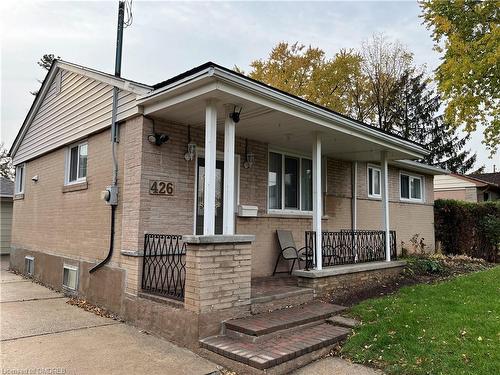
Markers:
point(68, 164)
point(72, 268)
point(32, 260)
point(373, 167)
point(412, 177)
point(22, 180)
point(284, 210)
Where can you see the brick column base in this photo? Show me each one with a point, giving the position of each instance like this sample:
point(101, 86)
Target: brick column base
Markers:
point(218, 272)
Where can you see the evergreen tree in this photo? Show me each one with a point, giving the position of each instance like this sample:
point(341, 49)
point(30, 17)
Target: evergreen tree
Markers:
point(415, 116)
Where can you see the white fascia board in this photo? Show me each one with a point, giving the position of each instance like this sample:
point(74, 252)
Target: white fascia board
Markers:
point(109, 79)
point(176, 99)
point(322, 113)
point(154, 95)
point(420, 167)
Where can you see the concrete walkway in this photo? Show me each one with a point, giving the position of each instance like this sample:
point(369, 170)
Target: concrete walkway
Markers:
point(40, 332)
point(335, 366)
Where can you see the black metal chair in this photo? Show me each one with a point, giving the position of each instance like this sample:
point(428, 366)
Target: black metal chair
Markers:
point(288, 250)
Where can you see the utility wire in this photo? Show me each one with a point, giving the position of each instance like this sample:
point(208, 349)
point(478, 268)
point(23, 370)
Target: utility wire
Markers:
point(128, 14)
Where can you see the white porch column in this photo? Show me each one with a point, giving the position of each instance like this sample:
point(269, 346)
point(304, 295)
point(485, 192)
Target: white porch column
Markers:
point(385, 203)
point(210, 169)
point(317, 206)
point(354, 192)
point(228, 206)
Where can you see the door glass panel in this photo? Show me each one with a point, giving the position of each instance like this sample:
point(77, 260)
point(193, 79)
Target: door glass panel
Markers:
point(200, 196)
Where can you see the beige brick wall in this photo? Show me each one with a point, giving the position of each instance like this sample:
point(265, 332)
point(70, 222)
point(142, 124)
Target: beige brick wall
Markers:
point(218, 276)
point(73, 224)
point(46, 215)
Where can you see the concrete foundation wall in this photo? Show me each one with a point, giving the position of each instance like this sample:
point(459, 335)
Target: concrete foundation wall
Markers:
point(339, 284)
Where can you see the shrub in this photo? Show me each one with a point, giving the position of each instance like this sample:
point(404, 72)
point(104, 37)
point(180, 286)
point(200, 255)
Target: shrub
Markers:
point(466, 228)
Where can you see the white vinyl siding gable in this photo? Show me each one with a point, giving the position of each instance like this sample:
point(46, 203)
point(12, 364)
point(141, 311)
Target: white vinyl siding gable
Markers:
point(81, 107)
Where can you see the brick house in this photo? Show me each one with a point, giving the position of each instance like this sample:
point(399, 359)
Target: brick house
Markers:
point(470, 188)
point(223, 161)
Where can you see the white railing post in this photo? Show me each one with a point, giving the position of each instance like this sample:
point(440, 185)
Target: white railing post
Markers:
point(317, 194)
point(210, 167)
point(228, 206)
point(385, 203)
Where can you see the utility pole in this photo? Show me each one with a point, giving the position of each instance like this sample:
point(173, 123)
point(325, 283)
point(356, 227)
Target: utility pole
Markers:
point(110, 195)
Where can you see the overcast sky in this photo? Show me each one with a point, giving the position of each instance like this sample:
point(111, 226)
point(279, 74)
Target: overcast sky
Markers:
point(167, 38)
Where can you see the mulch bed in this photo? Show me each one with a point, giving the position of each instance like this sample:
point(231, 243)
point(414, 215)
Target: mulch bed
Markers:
point(452, 267)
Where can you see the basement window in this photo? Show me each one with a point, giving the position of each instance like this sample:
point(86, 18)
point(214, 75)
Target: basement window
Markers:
point(29, 265)
point(70, 277)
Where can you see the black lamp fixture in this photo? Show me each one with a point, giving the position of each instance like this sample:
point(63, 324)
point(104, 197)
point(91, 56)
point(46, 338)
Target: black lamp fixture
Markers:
point(157, 138)
point(235, 114)
point(191, 147)
point(249, 157)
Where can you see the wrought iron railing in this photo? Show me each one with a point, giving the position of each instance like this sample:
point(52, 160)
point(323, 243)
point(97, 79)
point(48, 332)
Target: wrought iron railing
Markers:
point(164, 266)
point(349, 246)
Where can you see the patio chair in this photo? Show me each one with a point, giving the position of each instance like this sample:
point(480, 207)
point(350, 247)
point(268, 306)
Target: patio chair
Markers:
point(288, 250)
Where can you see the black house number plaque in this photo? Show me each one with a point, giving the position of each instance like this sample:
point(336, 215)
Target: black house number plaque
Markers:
point(159, 187)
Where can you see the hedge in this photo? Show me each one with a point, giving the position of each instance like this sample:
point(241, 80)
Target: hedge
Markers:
point(468, 228)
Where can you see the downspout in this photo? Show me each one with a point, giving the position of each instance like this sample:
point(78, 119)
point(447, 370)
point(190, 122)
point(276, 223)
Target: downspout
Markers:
point(111, 193)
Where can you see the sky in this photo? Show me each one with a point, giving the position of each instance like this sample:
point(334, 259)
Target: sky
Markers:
point(167, 38)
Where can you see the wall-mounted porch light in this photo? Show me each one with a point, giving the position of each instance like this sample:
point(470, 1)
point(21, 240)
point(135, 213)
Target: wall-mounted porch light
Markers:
point(249, 157)
point(191, 147)
point(235, 115)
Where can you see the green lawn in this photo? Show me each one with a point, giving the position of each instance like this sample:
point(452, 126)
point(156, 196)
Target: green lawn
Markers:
point(451, 327)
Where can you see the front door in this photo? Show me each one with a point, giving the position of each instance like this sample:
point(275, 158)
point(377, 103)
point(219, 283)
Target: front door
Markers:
point(200, 195)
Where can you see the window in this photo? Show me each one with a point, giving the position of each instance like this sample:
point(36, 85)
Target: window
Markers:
point(70, 277)
point(289, 183)
point(411, 187)
point(20, 178)
point(76, 164)
point(374, 180)
point(29, 265)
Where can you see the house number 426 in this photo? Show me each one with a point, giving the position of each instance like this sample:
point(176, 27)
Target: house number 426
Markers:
point(158, 187)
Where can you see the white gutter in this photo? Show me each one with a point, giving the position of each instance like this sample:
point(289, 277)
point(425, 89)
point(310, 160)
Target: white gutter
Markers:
point(420, 167)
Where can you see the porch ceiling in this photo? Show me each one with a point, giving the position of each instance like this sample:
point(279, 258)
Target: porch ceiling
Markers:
point(277, 123)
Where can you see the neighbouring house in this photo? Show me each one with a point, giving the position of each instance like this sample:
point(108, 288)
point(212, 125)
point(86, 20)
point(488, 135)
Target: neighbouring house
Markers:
point(470, 188)
point(210, 164)
point(6, 196)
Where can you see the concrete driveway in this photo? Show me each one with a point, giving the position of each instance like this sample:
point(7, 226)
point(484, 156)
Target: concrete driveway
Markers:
point(41, 333)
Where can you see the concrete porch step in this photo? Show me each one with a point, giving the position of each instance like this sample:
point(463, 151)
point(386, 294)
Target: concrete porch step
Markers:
point(278, 349)
point(266, 323)
point(267, 298)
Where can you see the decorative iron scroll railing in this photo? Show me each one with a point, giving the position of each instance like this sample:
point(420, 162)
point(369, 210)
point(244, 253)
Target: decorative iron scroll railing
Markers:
point(349, 247)
point(164, 266)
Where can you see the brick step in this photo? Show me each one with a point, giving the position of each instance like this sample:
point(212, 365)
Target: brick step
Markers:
point(278, 349)
point(274, 321)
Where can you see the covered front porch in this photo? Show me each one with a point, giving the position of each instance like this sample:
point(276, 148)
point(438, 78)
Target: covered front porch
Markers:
point(258, 160)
